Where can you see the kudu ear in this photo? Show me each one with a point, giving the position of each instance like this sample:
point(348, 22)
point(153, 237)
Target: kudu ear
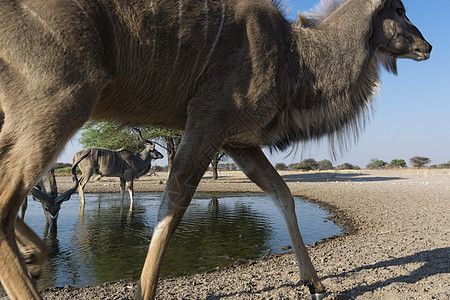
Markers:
point(378, 4)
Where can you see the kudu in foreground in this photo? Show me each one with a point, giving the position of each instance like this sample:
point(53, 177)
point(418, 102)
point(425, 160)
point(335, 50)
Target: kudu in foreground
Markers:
point(50, 200)
point(116, 163)
point(231, 73)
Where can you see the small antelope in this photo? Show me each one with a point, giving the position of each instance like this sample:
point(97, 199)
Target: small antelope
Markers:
point(116, 163)
point(233, 74)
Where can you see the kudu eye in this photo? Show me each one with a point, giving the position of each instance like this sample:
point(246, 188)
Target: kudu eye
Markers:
point(400, 11)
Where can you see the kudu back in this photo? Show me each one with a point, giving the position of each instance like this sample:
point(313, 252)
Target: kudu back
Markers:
point(232, 74)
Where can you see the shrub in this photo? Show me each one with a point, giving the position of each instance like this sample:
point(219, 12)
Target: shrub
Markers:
point(281, 166)
point(325, 164)
point(376, 164)
point(397, 163)
point(302, 166)
point(348, 166)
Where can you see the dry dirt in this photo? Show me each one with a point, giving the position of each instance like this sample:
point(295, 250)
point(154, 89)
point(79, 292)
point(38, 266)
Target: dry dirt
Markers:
point(396, 243)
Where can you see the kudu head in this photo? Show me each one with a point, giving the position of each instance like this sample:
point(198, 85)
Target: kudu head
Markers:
point(155, 154)
point(396, 36)
point(51, 201)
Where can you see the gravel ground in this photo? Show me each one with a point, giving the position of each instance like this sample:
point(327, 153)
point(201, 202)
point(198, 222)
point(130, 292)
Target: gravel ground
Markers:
point(396, 243)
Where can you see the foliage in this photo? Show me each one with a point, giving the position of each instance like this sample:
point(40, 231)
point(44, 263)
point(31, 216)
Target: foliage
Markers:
point(397, 163)
point(312, 163)
point(114, 136)
point(110, 136)
point(325, 164)
point(66, 170)
point(376, 164)
point(348, 166)
point(419, 161)
point(444, 165)
point(302, 166)
point(281, 166)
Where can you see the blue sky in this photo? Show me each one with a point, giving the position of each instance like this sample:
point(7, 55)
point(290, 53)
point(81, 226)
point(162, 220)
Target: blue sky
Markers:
point(412, 110)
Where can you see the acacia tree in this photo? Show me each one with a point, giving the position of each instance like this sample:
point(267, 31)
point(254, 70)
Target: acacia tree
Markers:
point(419, 161)
point(109, 136)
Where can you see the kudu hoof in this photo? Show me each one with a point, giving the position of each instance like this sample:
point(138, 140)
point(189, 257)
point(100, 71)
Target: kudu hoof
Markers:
point(314, 294)
point(318, 296)
point(34, 269)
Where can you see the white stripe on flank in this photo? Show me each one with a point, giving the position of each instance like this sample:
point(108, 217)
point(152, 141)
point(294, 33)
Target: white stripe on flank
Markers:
point(90, 21)
point(41, 21)
point(205, 29)
point(152, 7)
point(115, 33)
point(216, 39)
point(180, 30)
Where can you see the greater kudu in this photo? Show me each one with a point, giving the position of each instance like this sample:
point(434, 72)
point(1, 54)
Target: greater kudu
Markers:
point(231, 73)
point(122, 163)
point(50, 200)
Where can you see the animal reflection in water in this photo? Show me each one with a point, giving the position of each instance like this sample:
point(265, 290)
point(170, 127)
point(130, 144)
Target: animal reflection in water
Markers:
point(232, 74)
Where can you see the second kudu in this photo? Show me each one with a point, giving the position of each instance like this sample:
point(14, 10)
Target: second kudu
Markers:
point(50, 200)
point(231, 73)
point(121, 163)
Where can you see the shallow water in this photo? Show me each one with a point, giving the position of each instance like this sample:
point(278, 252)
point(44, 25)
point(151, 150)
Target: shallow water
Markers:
point(108, 243)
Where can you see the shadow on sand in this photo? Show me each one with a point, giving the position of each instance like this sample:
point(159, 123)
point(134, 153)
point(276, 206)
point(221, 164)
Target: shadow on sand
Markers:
point(434, 262)
point(333, 177)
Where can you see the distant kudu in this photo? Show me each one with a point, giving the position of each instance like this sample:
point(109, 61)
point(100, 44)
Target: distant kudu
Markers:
point(50, 200)
point(116, 163)
point(232, 74)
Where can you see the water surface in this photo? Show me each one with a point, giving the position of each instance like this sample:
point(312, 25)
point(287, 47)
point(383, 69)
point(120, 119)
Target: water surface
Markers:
point(108, 242)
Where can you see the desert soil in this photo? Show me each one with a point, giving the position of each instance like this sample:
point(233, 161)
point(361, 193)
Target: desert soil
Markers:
point(395, 244)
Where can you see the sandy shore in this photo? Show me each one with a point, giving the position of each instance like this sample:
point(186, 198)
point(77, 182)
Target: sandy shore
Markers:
point(396, 245)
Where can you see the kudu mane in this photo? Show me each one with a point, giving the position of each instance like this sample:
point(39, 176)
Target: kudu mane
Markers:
point(343, 127)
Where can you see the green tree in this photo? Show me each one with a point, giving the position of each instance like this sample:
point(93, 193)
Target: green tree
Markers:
point(110, 136)
point(397, 163)
point(419, 161)
point(325, 164)
point(302, 166)
point(312, 163)
point(376, 164)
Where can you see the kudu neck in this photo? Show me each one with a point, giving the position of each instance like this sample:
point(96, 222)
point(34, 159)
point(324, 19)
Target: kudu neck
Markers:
point(336, 54)
point(337, 77)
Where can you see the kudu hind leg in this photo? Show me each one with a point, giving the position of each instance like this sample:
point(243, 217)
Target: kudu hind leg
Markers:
point(255, 165)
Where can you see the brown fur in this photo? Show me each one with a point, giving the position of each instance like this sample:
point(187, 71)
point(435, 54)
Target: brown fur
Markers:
point(232, 74)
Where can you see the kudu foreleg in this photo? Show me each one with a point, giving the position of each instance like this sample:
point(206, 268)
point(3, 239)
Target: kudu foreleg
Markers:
point(255, 165)
point(13, 272)
point(190, 163)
